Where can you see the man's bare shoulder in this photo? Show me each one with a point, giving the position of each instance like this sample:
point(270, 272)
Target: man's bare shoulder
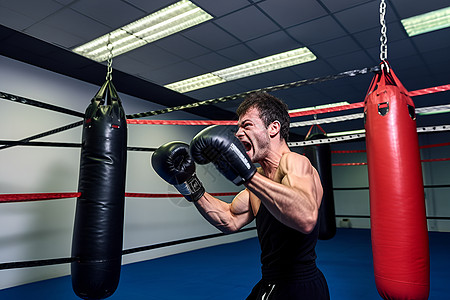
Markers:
point(295, 162)
point(294, 157)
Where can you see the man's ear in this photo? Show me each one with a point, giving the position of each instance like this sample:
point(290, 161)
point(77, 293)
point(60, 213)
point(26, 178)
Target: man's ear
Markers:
point(274, 128)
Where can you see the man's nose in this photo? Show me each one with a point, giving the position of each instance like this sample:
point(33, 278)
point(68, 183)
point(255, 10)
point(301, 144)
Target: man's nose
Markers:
point(239, 132)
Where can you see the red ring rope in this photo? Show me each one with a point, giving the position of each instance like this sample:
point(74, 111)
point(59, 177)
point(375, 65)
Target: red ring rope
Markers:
point(8, 198)
point(441, 88)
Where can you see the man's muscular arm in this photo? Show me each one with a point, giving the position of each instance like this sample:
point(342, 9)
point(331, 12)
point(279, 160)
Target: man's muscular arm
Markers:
point(295, 201)
point(227, 217)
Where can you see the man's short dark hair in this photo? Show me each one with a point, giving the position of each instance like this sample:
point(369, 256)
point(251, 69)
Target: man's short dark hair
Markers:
point(270, 109)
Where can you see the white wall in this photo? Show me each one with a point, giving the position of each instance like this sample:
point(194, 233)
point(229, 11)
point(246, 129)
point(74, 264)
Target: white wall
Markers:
point(43, 229)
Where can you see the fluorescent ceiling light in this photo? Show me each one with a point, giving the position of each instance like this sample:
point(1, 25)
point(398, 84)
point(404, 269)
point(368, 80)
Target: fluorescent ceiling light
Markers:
point(167, 21)
point(319, 107)
point(195, 83)
point(262, 65)
point(434, 20)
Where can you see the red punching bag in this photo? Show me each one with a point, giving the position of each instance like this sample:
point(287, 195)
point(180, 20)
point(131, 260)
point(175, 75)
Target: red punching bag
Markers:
point(397, 202)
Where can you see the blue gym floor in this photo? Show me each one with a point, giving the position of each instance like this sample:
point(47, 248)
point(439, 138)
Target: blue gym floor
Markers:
point(230, 271)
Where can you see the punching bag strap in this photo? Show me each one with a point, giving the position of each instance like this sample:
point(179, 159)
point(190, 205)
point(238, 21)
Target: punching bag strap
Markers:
point(107, 94)
point(312, 132)
point(384, 77)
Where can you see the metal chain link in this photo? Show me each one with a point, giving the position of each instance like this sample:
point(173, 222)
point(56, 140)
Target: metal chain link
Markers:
point(110, 56)
point(383, 38)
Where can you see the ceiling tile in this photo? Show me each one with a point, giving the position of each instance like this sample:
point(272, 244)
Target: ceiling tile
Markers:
point(129, 65)
point(362, 17)
point(181, 46)
point(432, 40)
point(335, 6)
point(55, 35)
point(352, 61)
point(254, 82)
point(212, 62)
point(217, 91)
point(438, 57)
point(237, 24)
point(77, 24)
point(406, 9)
point(273, 43)
point(313, 69)
point(335, 47)
point(36, 10)
point(150, 6)
point(173, 73)
point(13, 19)
point(239, 53)
point(220, 8)
point(371, 37)
point(202, 34)
point(116, 14)
point(402, 48)
point(282, 76)
point(153, 56)
point(288, 13)
point(307, 33)
point(65, 2)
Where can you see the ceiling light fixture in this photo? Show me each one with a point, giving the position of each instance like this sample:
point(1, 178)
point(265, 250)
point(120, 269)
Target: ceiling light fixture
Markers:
point(431, 21)
point(169, 20)
point(262, 65)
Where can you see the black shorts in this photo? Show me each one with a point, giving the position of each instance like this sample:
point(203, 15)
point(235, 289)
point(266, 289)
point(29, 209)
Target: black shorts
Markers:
point(312, 289)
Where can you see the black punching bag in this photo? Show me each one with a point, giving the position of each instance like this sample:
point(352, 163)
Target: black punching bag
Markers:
point(320, 157)
point(98, 229)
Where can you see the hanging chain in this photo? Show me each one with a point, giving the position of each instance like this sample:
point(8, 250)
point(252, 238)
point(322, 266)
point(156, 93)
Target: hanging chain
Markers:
point(110, 56)
point(383, 38)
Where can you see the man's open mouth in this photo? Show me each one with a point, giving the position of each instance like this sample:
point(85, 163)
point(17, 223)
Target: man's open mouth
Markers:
point(247, 146)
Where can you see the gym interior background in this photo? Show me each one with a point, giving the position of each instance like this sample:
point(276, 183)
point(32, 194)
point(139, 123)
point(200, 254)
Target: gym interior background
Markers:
point(36, 62)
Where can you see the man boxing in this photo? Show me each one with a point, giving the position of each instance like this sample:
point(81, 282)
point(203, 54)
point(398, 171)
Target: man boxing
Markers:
point(283, 195)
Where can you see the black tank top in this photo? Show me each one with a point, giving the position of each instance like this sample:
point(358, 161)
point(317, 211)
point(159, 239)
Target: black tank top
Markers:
point(285, 253)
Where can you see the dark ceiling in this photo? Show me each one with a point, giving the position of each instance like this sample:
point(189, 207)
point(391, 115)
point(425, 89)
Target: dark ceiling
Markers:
point(344, 35)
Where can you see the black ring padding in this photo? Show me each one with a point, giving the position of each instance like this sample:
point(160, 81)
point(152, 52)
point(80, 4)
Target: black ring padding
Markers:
point(60, 144)
point(56, 261)
point(141, 149)
point(40, 144)
point(183, 241)
point(39, 104)
point(352, 216)
point(36, 263)
point(41, 135)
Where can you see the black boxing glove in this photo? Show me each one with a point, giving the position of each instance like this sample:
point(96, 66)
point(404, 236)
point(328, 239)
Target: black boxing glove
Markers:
point(219, 145)
point(173, 163)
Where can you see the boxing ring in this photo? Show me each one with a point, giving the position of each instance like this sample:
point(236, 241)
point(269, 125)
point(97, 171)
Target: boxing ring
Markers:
point(331, 258)
point(84, 266)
